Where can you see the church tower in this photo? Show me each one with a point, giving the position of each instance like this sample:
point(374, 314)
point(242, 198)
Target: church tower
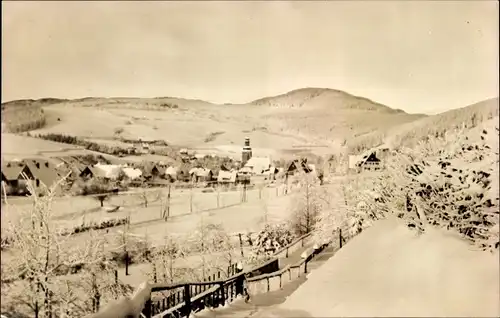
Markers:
point(246, 154)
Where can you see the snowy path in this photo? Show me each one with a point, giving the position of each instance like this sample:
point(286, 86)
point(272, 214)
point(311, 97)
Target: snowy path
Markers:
point(295, 257)
point(388, 271)
point(262, 305)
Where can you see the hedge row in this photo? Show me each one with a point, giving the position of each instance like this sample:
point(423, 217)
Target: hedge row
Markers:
point(97, 226)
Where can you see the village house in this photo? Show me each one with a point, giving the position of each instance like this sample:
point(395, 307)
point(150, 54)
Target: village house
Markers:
point(244, 175)
point(200, 175)
point(353, 161)
point(73, 170)
point(186, 156)
point(227, 177)
point(258, 165)
point(44, 174)
point(153, 171)
point(41, 172)
point(171, 173)
point(132, 173)
point(13, 182)
point(368, 161)
point(110, 172)
point(183, 173)
point(272, 173)
point(299, 166)
point(90, 172)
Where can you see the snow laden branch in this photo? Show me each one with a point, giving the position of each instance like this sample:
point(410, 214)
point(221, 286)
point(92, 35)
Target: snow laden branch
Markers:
point(307, 203)
point(38, 259)
point(449, 182)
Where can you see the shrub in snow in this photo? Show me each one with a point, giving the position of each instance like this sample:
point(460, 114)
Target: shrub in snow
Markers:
point(450, 182)
point(84, 227)
point(350, 208)
point(272, 238)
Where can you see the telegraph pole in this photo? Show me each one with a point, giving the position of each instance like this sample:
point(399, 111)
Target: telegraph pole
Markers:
point(168, 203)
point(191, 199)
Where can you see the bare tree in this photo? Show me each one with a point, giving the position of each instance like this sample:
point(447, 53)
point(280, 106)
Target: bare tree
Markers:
point(307, 204)
point(124, 246)
point(101, 198)
point(39, 256)
point(213, 245)
point(98, 277)
point(163, 259)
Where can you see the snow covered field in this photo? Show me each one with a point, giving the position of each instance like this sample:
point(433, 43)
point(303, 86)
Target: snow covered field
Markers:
point(389, 271)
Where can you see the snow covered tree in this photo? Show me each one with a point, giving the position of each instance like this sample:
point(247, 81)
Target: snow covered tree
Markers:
point(38, 259)
point(449, 182)
point(307, 203)
point(270, 239)
point(214, 245)
point(171, 251)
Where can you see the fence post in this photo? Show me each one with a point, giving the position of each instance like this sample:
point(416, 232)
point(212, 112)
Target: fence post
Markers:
point(126, 263)
point(340, 238)
point(239, 285)
point(241, 244)
point(147, 308)
point(222, 294)
point(187, 300)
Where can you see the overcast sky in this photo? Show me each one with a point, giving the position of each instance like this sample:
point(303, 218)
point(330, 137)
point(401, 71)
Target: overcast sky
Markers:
point(420, 56)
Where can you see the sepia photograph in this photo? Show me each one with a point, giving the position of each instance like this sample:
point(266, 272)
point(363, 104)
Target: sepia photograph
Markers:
point(250, 159)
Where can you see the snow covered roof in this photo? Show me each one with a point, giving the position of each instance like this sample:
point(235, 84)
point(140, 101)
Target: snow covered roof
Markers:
point(246, 169)
point(132, 173)
point(199, 172)
point(226, 176)
point(389, 271)
point(353, 160)
point(172, 171)
point(109, 171)
point(259, 164)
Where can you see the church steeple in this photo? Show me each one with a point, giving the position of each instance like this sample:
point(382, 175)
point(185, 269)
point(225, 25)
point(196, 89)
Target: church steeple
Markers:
point(246, 154)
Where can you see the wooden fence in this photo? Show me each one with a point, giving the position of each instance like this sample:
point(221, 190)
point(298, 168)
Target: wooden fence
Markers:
point(276, 280)
point(182, 299)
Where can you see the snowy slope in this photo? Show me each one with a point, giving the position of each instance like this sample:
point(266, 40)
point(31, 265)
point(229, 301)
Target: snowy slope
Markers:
point(389, 271)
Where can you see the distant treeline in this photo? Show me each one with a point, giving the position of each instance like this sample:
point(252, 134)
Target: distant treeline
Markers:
point(21, 119)
point(90, 145)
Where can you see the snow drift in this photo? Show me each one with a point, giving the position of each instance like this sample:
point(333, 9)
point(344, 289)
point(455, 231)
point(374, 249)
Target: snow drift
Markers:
point(389, 270)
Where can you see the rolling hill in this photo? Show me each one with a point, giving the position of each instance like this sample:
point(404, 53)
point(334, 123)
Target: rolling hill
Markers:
point(304, 121)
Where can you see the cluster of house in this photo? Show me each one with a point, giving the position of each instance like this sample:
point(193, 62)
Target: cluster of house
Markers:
point(45, 173)
point(256, 167)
